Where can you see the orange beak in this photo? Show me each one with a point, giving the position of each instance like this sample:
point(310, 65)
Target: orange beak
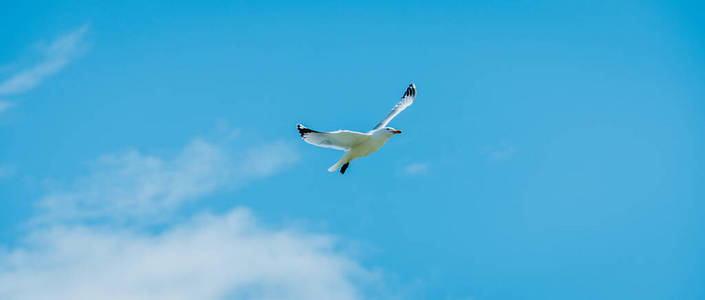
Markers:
point(396, 131)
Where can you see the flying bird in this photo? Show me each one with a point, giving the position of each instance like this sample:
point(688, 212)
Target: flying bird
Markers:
point(358, 144)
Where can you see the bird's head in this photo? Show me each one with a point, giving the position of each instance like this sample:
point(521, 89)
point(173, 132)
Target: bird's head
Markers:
point(388, 131)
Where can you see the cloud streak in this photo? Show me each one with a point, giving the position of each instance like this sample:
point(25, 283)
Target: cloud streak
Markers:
point(230, 256)
point(6, 172)
point(67, 255)
point(4, 105)
point(502, 151)
point(58, 54)
point(416, 169)
point(134, 187)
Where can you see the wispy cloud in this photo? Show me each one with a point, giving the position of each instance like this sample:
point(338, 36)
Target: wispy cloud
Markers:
point(228, 256)
point(6, 171)
point(132, 186)
point(502, 151)
point(4, 105)
point(57, 55)
point(416, 169)
point(205, 256)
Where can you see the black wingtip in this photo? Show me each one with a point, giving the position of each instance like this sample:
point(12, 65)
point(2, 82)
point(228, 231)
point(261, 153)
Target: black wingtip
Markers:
point(303, 130)
point(345, 167)
point(410, 91)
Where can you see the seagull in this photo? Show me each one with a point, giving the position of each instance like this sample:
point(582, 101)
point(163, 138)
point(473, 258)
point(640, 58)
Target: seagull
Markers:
point(358, 144)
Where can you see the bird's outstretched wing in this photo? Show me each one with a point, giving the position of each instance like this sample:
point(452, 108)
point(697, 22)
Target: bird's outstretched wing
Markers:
point(405, 101)
point(339, 139)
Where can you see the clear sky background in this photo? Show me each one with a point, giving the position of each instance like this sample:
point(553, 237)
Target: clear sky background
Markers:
point(554, 150)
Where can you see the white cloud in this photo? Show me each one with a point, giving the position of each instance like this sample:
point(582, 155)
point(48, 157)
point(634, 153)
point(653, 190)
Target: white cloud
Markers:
point(57, 55)
point(4, 105)
point(6, 171)
point(207, 256)
point(135, 187)
point(503, 151)
point(416, 169)
point(502, 154)
point(210, 257)
point(266, 159)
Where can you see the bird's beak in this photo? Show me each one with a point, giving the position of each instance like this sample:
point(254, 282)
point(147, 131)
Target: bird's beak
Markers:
point(396, 131)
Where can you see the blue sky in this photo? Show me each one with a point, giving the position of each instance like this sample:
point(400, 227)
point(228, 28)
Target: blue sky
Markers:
point(554, 150)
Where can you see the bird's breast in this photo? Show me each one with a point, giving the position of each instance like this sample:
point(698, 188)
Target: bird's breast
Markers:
point(369, 147)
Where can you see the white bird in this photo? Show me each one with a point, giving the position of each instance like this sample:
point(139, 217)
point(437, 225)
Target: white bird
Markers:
point(358, 144)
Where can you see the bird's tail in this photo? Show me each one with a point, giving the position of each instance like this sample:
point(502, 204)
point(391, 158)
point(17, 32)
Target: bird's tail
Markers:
point(344, 162)
point(335, 166)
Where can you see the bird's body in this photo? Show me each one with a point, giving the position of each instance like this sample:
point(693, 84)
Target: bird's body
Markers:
point(375, 141)
point(358, 144)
